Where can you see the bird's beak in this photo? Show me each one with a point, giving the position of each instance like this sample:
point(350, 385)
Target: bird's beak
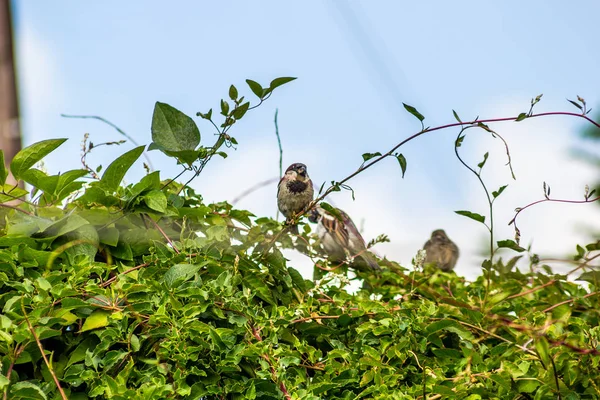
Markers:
point(302, 172)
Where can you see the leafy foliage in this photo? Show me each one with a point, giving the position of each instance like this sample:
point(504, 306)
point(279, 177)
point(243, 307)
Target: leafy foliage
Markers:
point(146, 291)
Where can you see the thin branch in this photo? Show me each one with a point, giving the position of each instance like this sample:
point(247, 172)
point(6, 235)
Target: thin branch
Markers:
point(280, 152)
point(39, 344)
point(535, 289)
point(17, 209)
point(455, 124)
point(114, 278)
point(570, 301)
point(163, 233)
point(122, 132)
point(254, 188)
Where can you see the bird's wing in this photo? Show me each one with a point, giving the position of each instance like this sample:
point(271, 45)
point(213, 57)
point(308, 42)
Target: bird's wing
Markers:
point(336, 229)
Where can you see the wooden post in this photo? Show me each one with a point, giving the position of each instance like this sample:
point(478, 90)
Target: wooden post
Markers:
point(10, 132)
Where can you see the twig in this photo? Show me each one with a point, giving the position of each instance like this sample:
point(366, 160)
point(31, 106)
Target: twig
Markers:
point(16, 209)
point(282, 387)
point(114, 278)
point(253, 189)
point(569, 301)
point(280, 152)
point(427, 130)
point(163, 233)
point(535, 289)
point(39, 344)
point(18, 352)
point(122, 132)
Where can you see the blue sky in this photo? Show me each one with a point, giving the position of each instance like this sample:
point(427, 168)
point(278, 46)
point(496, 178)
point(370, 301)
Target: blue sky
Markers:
point(356, 62)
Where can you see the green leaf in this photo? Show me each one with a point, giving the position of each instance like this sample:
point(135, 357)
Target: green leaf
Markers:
point(543, 350)
point(510, 244)
point(64, 226)
point(156, 200)
point(27, 391)
point(97, 319)
point(592, 277)
point(570, 101)
point(40, 180)
point(239, 112)
point(368, 156)
point(30, 155)
point(187, 156)
point(259, 288)
point(521, 117)
point(459, 140)
point(332, 210)
point(499, 191)
point(275, 83)
point(472, 215)
point(485, 157)
point(173, 130)
point(10, 193)
point(456, 116)
point(402, 162)
point(414, 112)
point(256, 88)
point(224, 107)
point(180, 273)
point(233, 93)
point(3, 170)
point(114, 174)
point(109, 236)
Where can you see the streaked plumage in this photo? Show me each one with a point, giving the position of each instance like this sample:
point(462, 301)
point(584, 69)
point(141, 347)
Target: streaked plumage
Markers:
point(341, 239)
point(441, 251)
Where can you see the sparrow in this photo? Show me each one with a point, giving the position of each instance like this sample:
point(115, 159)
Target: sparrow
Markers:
point(341, 239)
point(441, 251)
point(294, 192)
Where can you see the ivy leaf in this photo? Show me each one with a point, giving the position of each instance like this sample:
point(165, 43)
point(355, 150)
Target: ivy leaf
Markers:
point(114, 174)
point(98, 319)
point(472, 215)
point(233, 93)
point(521, 117)
point(3, 170)
point(256, 88)
point(259, 288)
point(510, 244)
point(414, 112)
point(156, 200)
point(180, 273)
point(239, 112)
point(499, 191)
point(543, 350)
point(29, 156)
point(368, 156)
point(402, 162)
point(275, 83)
point(485, 157)
point(173, 130)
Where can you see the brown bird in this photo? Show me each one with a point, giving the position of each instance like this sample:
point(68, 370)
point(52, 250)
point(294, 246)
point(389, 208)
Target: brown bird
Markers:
point(441, 251)
point(294, 192)
point(341, 239)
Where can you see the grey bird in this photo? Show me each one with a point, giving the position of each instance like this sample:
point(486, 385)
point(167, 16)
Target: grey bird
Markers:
point(441, 251)
point(341, 239)
point(294, 192)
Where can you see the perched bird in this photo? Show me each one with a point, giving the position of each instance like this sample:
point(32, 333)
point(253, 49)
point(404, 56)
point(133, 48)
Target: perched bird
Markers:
point(341, 239)
point(294, 192)
point(441, 251)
